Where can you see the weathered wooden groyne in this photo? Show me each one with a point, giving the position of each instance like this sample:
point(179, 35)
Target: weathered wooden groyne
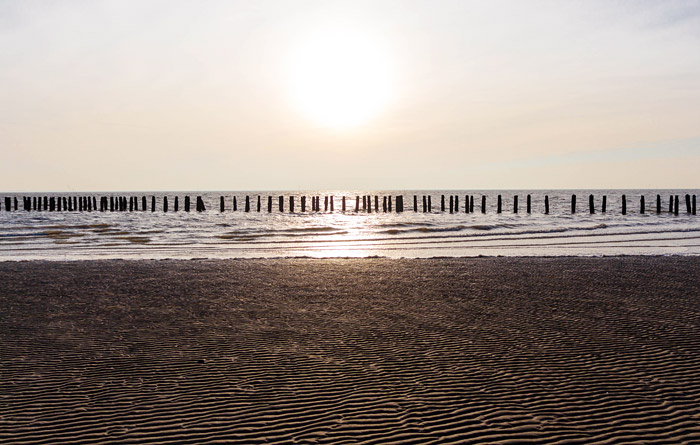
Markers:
point(365, 203)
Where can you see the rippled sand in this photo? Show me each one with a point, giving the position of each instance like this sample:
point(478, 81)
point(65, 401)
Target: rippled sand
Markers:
point(481, 350)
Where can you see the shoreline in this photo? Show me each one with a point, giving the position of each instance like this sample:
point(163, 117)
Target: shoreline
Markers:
point(370, 350)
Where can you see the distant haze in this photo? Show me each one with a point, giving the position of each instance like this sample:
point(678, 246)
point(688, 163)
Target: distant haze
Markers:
point(185, 95)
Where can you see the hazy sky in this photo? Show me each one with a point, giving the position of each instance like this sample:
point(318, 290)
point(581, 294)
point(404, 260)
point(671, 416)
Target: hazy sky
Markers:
point(206, 95)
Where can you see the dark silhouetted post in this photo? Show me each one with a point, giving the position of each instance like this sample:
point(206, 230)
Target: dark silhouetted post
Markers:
point(94, 203)
point(111, 203)
point(291, 204)
point(235, 203)
point(471, 204)
point(357, 203)
point(60, 206)
point(604, 204)
point(573, 204)
point(325, 204)
point(176, 205)
point(529, 204)
point(425, 204)
point(332, 204)
point(694, 203)
point(389, 203)
point(452, 204)
point(303, 204)
point(165, 204)
point(343, 204)
point(641, 205)
point(624, 204)
point(415, 203)
point(515, 204)
point(187, 203)
point(546, 204)
point(281, 204)
point(687, 203)
point(658, 204)
point(247, 203)
point(144, 207)
point(52, 204)
point(591, 204)
point(483, 203)
point(675, 203)
point(376, 203)
point(430, 205)
point(222, 206)
point(131, 203)
point(258, 208)
point(200, 204)
point(456, 204)
point(442, 203)
point(369, 204)
point(269, 204)
point(8, 204)
point(153, 204)
point(499, 205)
point(466, 203)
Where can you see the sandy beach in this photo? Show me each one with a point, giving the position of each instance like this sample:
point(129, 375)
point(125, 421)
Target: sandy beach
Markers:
point(372, 351)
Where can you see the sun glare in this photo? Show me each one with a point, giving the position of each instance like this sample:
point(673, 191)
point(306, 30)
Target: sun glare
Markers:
point(340, 79)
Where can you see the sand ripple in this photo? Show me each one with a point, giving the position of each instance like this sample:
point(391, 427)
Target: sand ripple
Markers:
point(372, 351)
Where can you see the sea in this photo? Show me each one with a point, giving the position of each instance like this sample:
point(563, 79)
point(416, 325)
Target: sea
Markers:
point(412, 233)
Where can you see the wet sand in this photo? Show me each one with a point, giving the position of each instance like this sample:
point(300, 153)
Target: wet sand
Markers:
point(481, 350)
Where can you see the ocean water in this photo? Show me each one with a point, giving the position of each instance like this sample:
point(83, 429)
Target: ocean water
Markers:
point(215, 234)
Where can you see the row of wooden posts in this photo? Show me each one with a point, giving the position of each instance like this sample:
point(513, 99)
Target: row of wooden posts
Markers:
point(133, 203)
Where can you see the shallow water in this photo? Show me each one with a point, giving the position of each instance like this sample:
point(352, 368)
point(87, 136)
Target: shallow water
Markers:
point(213, 234)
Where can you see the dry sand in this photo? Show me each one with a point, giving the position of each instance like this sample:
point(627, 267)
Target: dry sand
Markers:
point(484, 350)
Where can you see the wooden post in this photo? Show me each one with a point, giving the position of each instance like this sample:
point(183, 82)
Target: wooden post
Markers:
point(529, 204)
point(247, 203)
point(456, 204)
point(658, 204)
point(65, 203)
point(143, 204)
point(52, 204)
point(442, 203)
point(624, 204)
point(694, 202)
point(546, 204)
point(131, 203)
point(425, 204)
point(515, 204)
point(303, 204)
point(376, 203)
point(641, 205)
point(343, 204)
point(60, 207)
point(369, 204)
point(325, 203)
point(415, 203)
point(357, 203)
point(483, 203)
point(222, 206)
point(389, 203)
point(281, 204)
point(332, 203)
point(269, 204)
point(471, 204)
point(291, 204)
point(466, 204)
point(573, 204)
point(165, 204)
point(8, 204)
point(235, 203)
point(499, 205)
point(153, 203)
point(591, 204)
point(399, 204)
point(187, 203)
point(384, 204)
point(604, 204)
point(176, 206)
point(430, 205)
point(687, 203)
point(200, 204)
point(675, 203)
point(258, 203)
point(94, 203)
point(452, 204)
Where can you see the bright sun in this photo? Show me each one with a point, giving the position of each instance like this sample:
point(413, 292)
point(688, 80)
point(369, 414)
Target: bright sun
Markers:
point(340, 79)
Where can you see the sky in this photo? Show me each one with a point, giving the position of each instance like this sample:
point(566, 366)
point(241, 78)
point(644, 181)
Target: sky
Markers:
point(281, 95)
